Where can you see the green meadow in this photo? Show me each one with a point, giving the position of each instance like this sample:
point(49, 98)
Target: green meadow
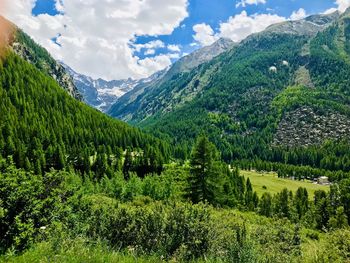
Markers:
point(269, 182)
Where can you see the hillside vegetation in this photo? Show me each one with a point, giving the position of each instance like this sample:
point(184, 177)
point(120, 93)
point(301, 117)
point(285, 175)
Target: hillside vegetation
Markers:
point(79, 186)
point(42, 127)
point(281, 96)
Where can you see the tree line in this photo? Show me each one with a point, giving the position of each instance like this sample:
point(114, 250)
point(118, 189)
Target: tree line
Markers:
point(42, 127)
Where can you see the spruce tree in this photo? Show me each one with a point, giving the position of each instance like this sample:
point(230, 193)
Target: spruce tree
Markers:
point(205, 174)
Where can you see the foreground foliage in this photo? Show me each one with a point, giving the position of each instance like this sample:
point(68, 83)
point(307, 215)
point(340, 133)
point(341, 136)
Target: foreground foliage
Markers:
point(69, 218)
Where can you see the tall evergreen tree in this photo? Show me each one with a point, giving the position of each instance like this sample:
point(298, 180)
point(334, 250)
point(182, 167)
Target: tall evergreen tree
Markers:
point(205, 174)
point(127, 163)
point(265, 207)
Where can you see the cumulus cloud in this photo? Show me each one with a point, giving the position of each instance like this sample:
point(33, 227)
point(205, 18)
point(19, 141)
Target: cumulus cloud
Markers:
point(174, 48)
point(204, 34)
point(96, 37)
point(297, 15)
point(149, 52)
point(342, 5)
point(239, 26)
point(236, 27)
point(150, 45)
point(244, 3)
point(242, 25)
point(155, 64)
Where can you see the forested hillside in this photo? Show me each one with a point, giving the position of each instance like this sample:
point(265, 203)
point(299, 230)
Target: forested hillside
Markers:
point(27, 49)
point(42, 127)
point(145, 97)
point(278, 96)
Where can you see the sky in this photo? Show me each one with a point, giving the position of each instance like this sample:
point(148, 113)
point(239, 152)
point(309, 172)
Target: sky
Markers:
point(119, 39)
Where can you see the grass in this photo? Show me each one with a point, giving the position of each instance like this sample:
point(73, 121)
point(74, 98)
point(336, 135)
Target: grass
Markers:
point(74, 251)
point(275, 185)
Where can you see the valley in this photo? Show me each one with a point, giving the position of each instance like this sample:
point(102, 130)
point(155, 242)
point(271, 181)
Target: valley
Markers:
point(215, 158)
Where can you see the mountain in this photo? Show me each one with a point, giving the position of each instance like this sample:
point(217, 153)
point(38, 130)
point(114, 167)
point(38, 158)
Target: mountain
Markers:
point(44, 127)
point(284, 87)
point(141, 97)
point(102, 94)
point(27, 49)
point(309, 26)
point(200, 56)
point(99, 93)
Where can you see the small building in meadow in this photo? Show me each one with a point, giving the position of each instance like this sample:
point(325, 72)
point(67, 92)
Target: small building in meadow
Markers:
point(323, 180)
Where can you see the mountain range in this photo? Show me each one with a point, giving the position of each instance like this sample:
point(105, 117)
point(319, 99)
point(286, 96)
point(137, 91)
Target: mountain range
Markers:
point(287, 86)
point(274, 90)
point(127, 105)
point(99, 93)
point(102, 94)
point(221, 166)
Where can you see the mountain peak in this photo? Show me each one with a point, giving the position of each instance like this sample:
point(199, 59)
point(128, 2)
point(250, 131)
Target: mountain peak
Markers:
point(309, 26)
point(201, 56)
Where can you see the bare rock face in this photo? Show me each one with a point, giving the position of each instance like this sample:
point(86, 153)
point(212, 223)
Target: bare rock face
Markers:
point(102, 94)
point(26, 48)
point(201, 56)
point(309, 26)
point(304, 127)
point(7, 32)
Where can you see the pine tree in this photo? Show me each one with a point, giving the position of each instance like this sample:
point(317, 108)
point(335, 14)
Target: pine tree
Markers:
point(249, 196)
point(340, 220)
point(265, 207)
point(127, 163)
point(301, 201)
point(205, 174)
point(282, 208)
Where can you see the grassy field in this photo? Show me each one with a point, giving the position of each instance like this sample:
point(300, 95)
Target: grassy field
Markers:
point(275, 185)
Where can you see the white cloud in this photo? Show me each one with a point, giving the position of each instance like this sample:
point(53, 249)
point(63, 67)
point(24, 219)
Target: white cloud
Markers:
point(244, 3)
point(174, 48)
point(157, 63)
point(297, 15)
point(240, 26)
point(342, 5)
point(236, 27)
point(204, 34)
point(174, 55)
point(330, 11)
point(149, 52)
point(97, 36)
point(150, 45)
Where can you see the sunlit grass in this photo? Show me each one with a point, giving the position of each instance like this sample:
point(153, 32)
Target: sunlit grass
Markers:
point(269, 182)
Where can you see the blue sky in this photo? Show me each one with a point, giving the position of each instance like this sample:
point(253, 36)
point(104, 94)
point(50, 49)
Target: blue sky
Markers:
point(143, 48)
point(214, 12)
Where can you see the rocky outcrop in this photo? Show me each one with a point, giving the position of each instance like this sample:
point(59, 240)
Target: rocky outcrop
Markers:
point(305, 126)
point(26, 48)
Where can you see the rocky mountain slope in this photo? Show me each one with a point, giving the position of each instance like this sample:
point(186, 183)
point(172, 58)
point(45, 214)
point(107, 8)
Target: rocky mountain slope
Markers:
point(99, 93)
point(286, 86)
point(26, 48)
point(142, 96)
